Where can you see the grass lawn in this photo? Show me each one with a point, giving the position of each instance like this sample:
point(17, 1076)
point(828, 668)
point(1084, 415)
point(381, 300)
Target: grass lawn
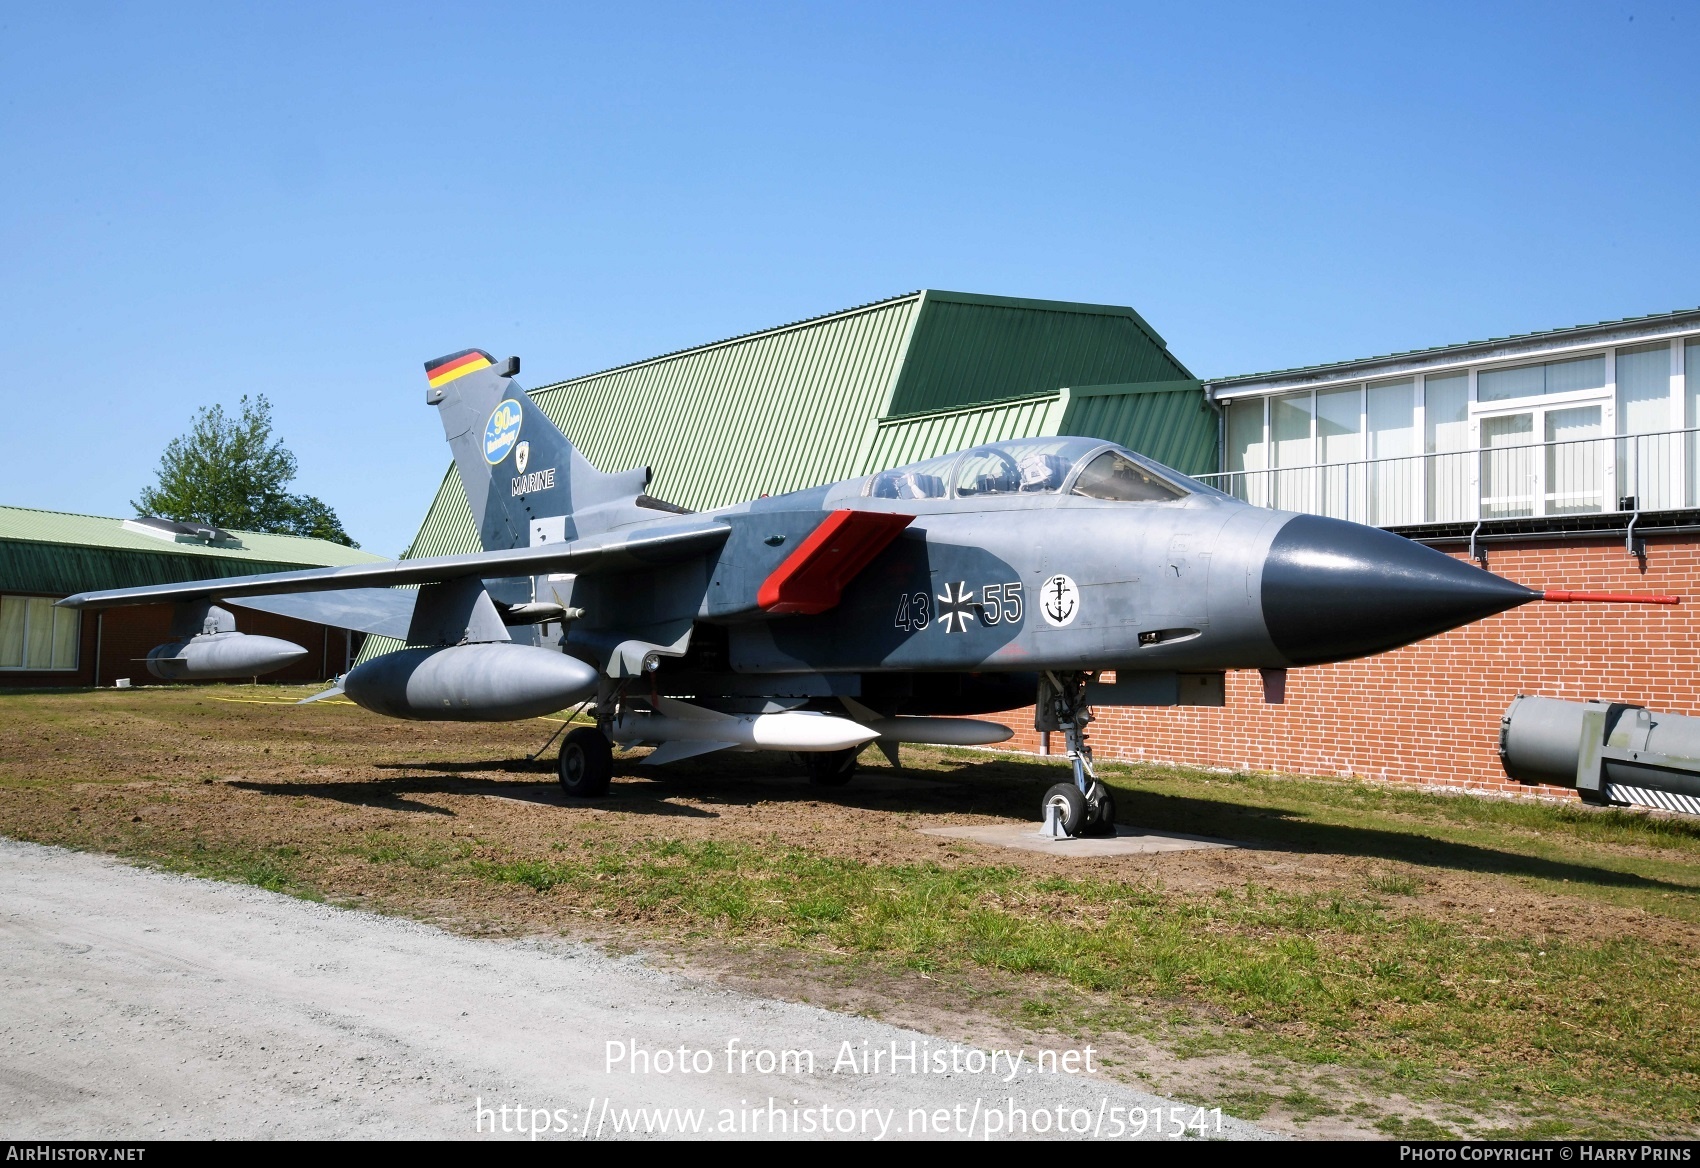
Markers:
point(1382, 958)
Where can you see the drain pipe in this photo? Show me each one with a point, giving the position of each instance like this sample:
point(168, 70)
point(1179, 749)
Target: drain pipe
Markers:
point(1477, 553)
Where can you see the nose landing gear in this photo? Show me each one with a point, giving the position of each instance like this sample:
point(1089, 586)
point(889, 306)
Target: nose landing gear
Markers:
point(1084, 807)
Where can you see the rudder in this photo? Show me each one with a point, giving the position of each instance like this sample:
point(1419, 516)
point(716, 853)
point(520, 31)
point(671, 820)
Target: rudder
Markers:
point(525, 481)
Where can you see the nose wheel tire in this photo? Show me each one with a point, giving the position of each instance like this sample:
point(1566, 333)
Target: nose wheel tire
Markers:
point(1100, 812)
point(1081, 815)
point(830, 768)
point(1069, 805)
point(586, 763)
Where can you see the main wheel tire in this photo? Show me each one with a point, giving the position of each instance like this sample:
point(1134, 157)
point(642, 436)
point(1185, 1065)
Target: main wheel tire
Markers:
point(1070, 805)
point(831, 768)
point(1100, 812)
point(586, 763)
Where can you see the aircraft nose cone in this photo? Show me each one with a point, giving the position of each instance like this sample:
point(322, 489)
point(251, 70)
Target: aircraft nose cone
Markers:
point(1334, 590)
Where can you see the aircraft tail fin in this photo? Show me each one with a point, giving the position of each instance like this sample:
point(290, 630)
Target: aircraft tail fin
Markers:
point(526, 482)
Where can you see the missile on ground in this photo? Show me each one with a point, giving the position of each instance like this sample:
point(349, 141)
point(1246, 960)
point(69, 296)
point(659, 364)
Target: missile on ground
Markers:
point(488, 682)
point(1610, 752)
point(223, 654)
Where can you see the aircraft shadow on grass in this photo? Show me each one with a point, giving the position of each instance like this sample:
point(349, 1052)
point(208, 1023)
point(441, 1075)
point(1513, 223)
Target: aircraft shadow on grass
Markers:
point(1277, 829)
point(994, 788)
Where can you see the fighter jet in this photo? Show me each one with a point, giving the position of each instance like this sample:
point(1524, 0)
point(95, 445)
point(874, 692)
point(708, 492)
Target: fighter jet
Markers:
point(1057, 572)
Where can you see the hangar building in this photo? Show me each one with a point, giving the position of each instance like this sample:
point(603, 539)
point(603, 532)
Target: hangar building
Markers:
point(1566, 459)
point(46, 555)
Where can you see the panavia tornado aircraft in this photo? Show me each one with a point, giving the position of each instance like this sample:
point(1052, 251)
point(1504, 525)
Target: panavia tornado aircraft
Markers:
point(878, 609)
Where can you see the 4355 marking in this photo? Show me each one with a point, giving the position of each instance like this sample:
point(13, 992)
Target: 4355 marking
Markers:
point(959, 605)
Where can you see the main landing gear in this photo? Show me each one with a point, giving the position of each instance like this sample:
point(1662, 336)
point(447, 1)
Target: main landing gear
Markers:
point(587, 752)
point(586, 763)
point(1084, 807)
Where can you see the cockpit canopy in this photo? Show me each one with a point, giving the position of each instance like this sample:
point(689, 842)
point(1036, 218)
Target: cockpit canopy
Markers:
point(1032, 466)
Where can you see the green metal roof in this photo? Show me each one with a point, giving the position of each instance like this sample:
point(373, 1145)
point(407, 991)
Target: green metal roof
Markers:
point(99, 531)
point(1169, 421)
point(63, 552)
point(971, 349)
point(913, 437)
point(770, 412)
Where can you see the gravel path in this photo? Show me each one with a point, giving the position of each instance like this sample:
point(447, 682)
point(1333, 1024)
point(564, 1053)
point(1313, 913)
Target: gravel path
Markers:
point(135, 1004)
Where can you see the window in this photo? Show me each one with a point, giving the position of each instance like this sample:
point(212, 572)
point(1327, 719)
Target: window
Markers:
point(1021, 466)
point(1446, 413)
point(1392, 418)
point(36, 635)
point(1289, 429)
point(1691, 366)
point(1393, 485)
point(1446, 432)
point(1024, 466)
point(1339, 424)
point(1117, 477)
point(1574, 464)
point(1691, 419)
point(987, 471)
point(920, 480)
point(1536, 380)
point(1243, 422)
point(1643, 389)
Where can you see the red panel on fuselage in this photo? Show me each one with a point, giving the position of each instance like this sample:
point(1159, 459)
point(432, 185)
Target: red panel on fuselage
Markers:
point(813, 577)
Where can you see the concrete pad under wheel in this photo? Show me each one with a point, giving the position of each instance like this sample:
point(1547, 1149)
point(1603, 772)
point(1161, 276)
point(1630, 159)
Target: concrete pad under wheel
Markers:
point(1128, 841)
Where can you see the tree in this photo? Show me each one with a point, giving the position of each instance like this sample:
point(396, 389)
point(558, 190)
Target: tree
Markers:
point(230, 472)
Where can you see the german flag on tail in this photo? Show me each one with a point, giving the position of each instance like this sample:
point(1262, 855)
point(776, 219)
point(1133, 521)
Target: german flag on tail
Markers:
point(445, 369)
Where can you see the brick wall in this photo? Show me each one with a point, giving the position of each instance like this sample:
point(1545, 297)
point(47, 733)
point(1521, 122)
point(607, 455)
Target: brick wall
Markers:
point(1430, 713)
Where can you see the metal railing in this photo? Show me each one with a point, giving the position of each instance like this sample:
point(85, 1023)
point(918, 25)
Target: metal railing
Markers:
point(1625, 473)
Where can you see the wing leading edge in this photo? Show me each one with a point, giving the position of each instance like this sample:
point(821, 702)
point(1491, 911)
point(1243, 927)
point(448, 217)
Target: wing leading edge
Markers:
point(612, 552)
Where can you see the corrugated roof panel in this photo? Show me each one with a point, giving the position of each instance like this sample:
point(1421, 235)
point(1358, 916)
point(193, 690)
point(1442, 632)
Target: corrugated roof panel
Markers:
point(910, 439)
point(1176, 429)
point(448, 529)
point(376, 646)
point(99, 531)
point(791, 403)
point(969, 349)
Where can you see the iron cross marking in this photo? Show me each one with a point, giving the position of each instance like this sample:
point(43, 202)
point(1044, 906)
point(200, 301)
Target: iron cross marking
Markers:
point(957, 607)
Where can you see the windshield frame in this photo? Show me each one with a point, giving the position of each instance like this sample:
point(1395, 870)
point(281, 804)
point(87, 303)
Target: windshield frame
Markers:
point(1186, 486)
point(949, 467)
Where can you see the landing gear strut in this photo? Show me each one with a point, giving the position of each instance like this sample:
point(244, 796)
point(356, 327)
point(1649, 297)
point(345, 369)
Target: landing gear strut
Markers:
point(1084, 807)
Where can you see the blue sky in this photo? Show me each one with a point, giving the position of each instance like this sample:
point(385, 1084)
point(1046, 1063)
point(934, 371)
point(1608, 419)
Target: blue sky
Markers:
point(307, 201)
